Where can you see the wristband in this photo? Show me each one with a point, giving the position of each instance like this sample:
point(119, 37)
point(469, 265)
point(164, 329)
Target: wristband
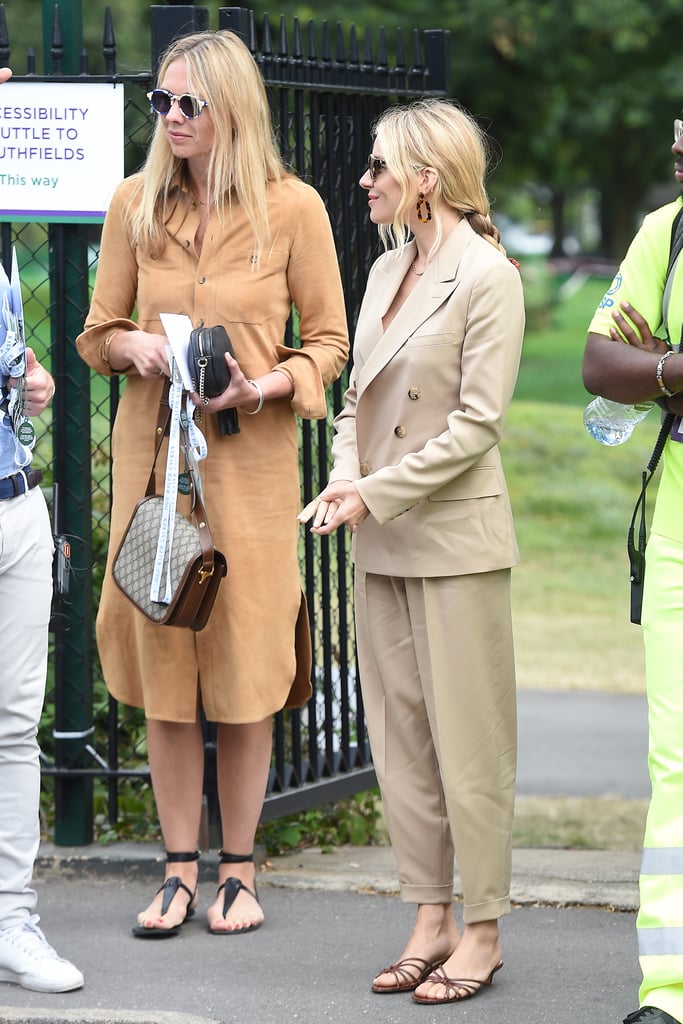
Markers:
point(660, 375)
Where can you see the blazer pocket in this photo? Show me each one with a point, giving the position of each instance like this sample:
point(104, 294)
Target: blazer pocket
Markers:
point(480, 482)
point(430, 340)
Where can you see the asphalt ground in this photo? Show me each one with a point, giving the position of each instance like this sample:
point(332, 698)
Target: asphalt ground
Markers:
point(334, 920)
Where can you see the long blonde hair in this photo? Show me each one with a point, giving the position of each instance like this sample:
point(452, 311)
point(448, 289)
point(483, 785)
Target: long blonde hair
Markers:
point(243, 159)
point(436, 133)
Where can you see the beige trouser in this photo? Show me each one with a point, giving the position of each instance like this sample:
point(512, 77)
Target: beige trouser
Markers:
point(437, 672)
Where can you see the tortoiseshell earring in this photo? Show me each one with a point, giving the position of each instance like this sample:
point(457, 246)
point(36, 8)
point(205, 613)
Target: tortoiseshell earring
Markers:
point(422, 201)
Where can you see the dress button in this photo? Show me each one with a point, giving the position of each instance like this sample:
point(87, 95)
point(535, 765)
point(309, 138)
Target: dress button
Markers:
point(364, 469)
point(400, 431)
point(414, 394)
point(186, 243)
point(201, 280)
point(200, 323)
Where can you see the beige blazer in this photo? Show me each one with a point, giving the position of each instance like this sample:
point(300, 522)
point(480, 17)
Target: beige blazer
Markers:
point(425, 410)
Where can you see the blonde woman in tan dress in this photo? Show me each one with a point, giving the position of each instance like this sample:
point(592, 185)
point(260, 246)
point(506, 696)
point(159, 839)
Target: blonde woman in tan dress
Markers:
point(213, 227)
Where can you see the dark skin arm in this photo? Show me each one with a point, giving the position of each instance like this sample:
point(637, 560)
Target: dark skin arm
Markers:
point(627, 372)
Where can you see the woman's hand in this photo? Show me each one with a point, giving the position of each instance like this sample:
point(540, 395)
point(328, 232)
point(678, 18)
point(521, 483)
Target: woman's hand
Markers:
point(238, 394)
point(634, 328)
point(145, 351)
point(242, 393)
point(338, 505)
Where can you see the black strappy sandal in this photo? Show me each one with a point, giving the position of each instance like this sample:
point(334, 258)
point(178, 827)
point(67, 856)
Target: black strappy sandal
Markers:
point(170, 889)
point(231, 887)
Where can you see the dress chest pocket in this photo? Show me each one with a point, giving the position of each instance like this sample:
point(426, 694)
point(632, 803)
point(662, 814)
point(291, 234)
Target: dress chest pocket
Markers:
point(250, 294)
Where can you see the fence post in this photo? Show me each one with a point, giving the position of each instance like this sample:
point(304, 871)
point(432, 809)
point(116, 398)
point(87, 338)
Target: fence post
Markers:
point(437, 47)
point(70, 14)
point(62, 20)
point(171, 21)
point(235, 19)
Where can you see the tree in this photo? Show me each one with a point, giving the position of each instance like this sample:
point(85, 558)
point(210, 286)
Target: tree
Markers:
point(579, 94)
point(575, 95)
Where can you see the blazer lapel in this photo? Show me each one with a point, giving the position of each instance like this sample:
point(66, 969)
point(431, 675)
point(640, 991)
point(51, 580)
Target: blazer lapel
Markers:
point(440, 280)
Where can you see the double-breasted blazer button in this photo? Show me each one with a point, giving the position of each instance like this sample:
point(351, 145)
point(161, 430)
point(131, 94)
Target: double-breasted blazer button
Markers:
point(400, 431)
point(414, 394)
point(365, 469)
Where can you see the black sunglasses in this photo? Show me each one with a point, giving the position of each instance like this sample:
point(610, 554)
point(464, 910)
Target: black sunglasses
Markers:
point(376, 165)
point(161, 101)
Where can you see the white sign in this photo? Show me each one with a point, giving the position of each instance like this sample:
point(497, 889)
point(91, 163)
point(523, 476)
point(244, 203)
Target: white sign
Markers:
point(61, 150)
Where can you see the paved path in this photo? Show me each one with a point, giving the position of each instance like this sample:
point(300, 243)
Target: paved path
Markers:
point(333, 920)
point(312, 964)
point(574, 743)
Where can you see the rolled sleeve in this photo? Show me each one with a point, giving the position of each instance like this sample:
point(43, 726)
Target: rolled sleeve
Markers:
point(316, 290)
point(113, 299)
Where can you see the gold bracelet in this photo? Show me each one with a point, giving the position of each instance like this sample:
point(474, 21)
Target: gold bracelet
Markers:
point(261, 398)
point(105, 347)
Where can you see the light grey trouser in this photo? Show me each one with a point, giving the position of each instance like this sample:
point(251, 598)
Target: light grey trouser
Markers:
point(25, 593)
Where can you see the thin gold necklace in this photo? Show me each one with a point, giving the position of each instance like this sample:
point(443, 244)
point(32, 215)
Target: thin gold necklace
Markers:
point(418, 273)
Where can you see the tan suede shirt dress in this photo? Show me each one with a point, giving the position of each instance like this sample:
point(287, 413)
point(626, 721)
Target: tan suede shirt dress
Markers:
point(253, 658)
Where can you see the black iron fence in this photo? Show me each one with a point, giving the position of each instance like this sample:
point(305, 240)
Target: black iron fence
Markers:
point(326, 86)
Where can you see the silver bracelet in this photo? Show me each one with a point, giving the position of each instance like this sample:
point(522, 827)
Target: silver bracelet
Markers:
point(660, 375)
point(261, 398)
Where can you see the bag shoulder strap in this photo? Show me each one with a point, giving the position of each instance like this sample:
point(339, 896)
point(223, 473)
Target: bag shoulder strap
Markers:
point(636, 542)
point(160, 432)
point(676, 240)
point(675, 249)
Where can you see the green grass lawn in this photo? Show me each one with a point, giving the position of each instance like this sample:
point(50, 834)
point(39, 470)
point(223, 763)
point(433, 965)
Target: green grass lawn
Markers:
point(551, 359)
point(572, 500)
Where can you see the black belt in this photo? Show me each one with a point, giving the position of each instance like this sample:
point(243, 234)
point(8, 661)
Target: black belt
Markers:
point(19, 483)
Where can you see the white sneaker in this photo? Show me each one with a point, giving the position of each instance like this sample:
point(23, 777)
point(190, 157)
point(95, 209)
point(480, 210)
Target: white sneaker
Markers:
point(28, 959)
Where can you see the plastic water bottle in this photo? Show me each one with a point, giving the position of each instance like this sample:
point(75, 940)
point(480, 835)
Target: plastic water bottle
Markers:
point(612, 423)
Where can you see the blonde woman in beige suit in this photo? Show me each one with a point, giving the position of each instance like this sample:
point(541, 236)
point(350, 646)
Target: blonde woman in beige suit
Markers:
point(418, 479)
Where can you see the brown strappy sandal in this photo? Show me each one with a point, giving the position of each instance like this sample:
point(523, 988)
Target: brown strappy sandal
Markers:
point(405, 974)
point(456, 989)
